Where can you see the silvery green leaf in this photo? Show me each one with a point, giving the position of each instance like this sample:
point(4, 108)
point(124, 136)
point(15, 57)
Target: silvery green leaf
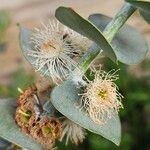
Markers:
point(49, 108)
point(146, 16)
point(129, 45)
point(9, 130)
point(26, 45)
point(144, 8)
point(140, 4)
point(4, 144)
point(25, 42)
point(73, 20)
point(65, 99)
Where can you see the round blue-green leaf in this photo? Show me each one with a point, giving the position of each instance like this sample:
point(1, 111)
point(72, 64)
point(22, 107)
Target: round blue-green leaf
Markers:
point(26, 45)
point(65, 99)
point(9, 130)
point(129, 45)
point(73, 20)
point(4, 144)
point(49, 108)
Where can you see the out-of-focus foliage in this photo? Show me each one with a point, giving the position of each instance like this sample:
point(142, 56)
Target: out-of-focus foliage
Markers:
point(134, 117)
point(19, 79)
point(4, 23)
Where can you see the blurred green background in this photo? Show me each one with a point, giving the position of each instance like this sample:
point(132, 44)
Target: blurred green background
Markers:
point(134, 84)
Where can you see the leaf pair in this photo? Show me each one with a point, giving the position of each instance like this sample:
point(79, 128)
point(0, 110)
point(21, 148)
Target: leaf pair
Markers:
point(124, 46)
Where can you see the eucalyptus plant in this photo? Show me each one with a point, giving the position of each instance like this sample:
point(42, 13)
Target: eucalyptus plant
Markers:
point(76, 94)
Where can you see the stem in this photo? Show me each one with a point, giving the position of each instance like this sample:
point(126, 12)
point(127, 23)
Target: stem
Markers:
point(110, 31)
point(119, 20)
point(38, 106)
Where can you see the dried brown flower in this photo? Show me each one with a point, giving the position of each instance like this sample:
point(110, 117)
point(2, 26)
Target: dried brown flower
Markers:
point(29, 118)
point(27, 95)
point(25, 118)
point(46, 131)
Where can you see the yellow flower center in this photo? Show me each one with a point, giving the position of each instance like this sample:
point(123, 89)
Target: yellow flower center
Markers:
point(47, 46)
point(25, 115)
point(46, 130)
point(102, 94)
point(52, 47)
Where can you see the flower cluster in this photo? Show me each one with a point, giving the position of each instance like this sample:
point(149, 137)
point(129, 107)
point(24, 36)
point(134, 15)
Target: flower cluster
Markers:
point(43, 129)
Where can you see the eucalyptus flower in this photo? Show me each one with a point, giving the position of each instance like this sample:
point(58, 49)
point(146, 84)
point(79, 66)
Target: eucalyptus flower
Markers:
point(25, 117)
point(27, 95)
point(56, 50)
point(46, 131)
point(101, 98)
point(73, 132)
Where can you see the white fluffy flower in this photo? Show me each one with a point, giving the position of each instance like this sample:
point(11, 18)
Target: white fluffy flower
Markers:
point(73, 132)
point(56, 49)
point(101, 98)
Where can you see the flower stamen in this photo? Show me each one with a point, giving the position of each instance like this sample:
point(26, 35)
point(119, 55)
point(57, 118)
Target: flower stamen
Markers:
point(103, 94)
point(47, 46)
point(56, 50)
point(101, 98)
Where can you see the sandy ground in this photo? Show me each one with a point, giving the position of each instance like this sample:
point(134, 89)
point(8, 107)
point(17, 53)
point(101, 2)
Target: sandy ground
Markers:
point(31, 12)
